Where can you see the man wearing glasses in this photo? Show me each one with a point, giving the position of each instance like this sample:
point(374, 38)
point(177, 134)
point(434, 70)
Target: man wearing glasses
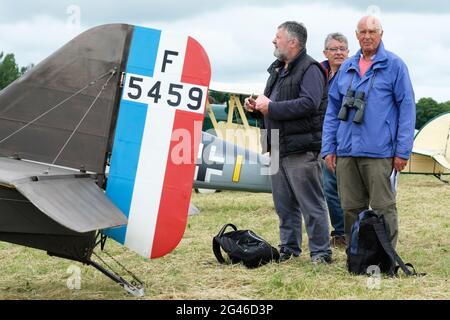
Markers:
point(368, 130)
point(336, 51)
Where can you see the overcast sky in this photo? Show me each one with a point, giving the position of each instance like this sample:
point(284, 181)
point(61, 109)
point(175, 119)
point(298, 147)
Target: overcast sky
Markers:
point(237, 35)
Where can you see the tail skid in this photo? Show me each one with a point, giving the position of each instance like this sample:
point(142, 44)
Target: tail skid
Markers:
point(135, 287)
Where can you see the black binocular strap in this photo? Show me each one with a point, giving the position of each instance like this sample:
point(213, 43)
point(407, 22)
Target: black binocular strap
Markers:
point(351, 82)
point(372, 80)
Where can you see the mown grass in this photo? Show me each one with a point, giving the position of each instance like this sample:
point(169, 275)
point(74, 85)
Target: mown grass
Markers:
point(191, 271)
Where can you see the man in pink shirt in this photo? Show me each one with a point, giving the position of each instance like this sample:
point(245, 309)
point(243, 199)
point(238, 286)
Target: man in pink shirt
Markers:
point(370, 137)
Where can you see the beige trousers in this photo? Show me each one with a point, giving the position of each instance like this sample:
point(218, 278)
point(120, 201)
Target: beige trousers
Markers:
point(364, 182)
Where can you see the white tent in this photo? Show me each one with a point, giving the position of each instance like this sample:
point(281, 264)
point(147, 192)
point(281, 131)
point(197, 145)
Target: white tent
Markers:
point(431, 150)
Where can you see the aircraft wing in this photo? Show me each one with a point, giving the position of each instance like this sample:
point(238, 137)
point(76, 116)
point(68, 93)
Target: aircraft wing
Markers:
point(66, 196)
point(435, 155)
point(425, 152)
point(238, 88)
point(442, 161)
point(223, 165)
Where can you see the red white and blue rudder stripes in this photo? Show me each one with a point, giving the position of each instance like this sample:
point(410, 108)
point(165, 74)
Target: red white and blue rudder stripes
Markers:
point(156, 139)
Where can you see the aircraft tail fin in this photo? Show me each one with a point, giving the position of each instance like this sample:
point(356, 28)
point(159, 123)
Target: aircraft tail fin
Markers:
point(156, 140)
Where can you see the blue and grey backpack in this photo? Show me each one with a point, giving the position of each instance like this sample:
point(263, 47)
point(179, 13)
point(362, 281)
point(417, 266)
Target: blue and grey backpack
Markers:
point(370, 246)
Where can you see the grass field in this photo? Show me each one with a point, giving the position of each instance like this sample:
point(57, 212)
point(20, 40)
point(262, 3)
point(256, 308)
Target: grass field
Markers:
point(191, 271)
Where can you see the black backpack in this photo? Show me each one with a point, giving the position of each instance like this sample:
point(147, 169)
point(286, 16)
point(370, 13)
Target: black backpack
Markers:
point(243, 246)
point(369, 245)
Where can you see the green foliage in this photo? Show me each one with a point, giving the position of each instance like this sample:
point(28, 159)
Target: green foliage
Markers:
point(427, 109)
point(9, 70)
point(218, 97)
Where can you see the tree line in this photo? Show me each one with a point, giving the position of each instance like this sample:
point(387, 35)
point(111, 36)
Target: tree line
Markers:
point(426, 108)
point(9, 70)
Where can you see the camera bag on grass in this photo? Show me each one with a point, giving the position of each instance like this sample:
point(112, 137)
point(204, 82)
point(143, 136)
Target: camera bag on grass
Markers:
point(243, 246)
point(370, 246)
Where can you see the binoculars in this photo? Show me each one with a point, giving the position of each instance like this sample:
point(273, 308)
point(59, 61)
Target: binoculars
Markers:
point(355, 100)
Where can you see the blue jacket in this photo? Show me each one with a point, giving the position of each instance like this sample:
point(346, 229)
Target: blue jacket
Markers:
point(387, 128)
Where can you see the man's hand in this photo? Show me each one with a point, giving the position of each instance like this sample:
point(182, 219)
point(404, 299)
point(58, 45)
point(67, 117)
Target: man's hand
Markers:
point(330, 160)
point(399, 163)
point(250, 104)
point(262, 104)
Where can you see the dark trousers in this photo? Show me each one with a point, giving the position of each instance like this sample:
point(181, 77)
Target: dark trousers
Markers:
point(297, 191)
point(333, 202)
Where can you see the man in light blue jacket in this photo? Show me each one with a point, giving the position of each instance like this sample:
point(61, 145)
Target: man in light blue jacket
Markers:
point(369, 125)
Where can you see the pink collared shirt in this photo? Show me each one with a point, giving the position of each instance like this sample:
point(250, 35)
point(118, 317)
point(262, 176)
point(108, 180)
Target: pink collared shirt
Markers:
point(364, 65)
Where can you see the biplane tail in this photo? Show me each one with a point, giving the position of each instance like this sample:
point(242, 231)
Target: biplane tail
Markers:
point(118, 96)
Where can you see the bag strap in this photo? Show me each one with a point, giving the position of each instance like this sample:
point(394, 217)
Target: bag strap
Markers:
point(387, 246)
point(419, 274)
point(222, 231)
point(216, 250)
point(216, 244)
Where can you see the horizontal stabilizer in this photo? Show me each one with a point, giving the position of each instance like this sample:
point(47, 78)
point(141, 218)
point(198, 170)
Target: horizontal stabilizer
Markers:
point(425, 152)
point(442, 161)
point(238, 88)
point(66, 196)
point(435, 155)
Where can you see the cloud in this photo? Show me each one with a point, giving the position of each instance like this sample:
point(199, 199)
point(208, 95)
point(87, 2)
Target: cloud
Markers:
point(32, 41)
point(107, 11)
point(400, 6)
point(238, 37)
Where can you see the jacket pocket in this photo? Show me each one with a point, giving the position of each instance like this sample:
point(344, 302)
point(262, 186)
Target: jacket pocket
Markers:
point(391, 135)
point(343, 137)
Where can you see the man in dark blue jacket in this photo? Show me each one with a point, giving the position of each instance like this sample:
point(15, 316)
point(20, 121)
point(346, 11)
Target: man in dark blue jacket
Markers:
point(369, 127)
point(336, 52)
point(294, 104)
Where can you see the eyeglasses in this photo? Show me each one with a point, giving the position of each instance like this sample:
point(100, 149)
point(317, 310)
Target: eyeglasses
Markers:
point(335, 49)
